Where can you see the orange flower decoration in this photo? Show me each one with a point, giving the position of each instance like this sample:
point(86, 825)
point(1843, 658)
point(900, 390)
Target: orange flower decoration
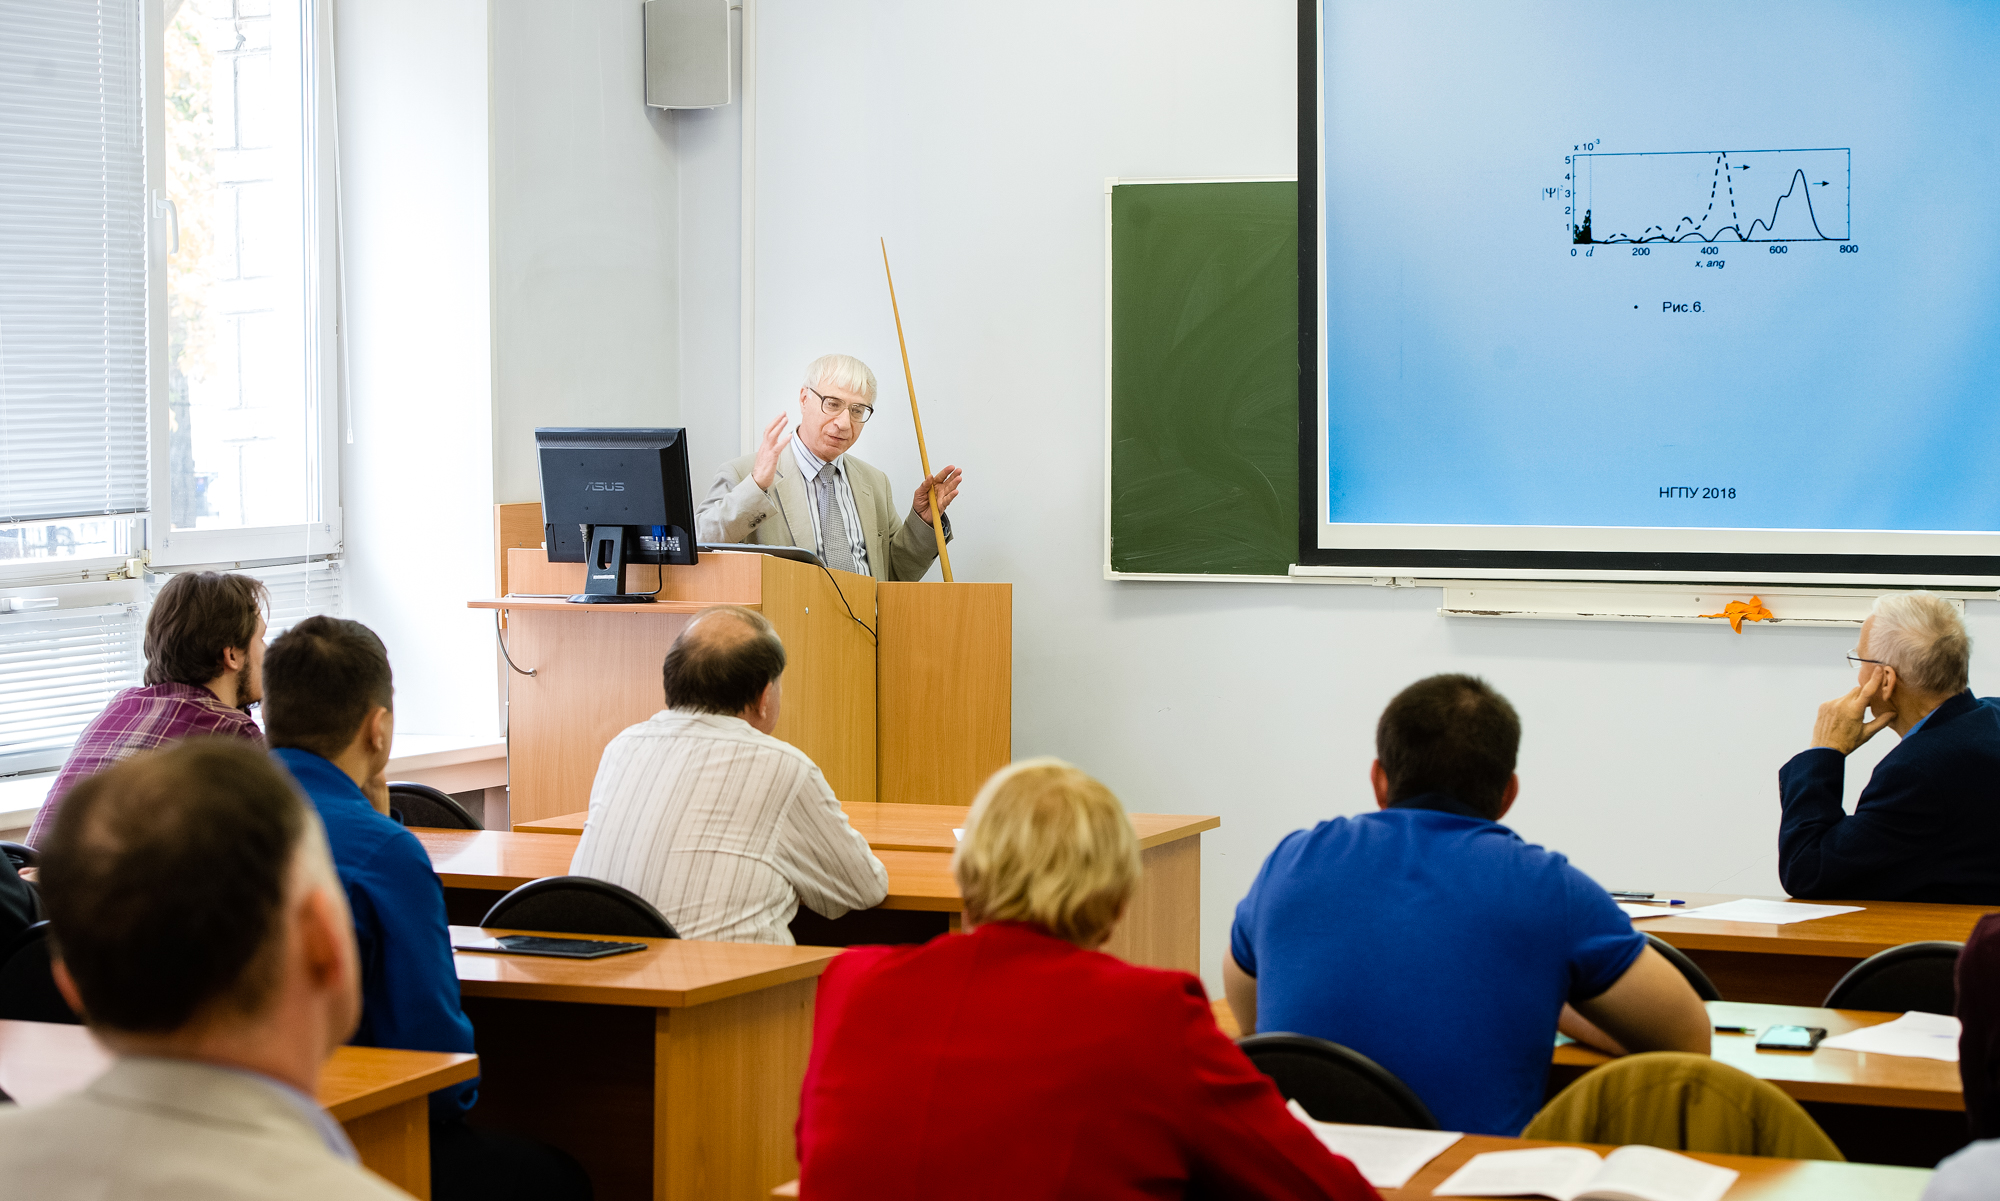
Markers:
point(1737, 612)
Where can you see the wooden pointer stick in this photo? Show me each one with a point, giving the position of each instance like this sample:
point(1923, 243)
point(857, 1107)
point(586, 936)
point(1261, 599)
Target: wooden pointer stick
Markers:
point(909, 381)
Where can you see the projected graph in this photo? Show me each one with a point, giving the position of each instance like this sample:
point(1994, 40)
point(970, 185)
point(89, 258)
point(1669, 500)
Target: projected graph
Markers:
point(1711, 196)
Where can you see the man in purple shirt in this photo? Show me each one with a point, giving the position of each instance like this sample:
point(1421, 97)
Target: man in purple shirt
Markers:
point(204, 669)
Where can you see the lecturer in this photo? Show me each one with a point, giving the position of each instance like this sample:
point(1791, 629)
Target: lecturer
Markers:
point(814, 494)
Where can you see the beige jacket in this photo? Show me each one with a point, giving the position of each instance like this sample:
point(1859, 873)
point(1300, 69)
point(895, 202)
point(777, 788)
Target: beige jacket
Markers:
point(737, 510)
point(170, 1130)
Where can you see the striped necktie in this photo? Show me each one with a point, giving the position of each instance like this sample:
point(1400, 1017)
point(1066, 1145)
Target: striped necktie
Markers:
point(838, 551)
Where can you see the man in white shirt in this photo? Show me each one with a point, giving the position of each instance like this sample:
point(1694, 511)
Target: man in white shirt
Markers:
point(699, 810)
point(204, 935)
point(807, 490)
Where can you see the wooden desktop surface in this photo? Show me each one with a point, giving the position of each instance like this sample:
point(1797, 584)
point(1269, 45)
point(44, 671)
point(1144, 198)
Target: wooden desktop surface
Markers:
point(1877, 927)
point(671, 973)
point(1828, 1074)
point(1757, 1179)
point(924, 827)
point(380, 1095)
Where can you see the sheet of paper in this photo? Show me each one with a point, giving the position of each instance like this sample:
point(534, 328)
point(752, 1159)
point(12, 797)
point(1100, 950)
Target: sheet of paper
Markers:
point(1770, 913)
point(1915, 1035)
point(1387, 1155)
point(1636, 911)
point(958, 834)
point(1559, 1172)
point(1656, 1175)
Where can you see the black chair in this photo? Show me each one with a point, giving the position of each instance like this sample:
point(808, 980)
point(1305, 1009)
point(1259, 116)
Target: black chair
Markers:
point(427, 807)
point(27, 987)
point(578, 905)
point(20, 854)
point(1916, 975)
point(1703, 986)
point(1335, 1084)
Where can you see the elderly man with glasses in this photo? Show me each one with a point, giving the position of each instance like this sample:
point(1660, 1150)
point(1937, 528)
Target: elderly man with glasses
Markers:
point(1927, 827)
point(807, 490)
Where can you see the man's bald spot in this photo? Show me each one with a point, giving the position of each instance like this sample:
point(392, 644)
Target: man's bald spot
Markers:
point(719, 630)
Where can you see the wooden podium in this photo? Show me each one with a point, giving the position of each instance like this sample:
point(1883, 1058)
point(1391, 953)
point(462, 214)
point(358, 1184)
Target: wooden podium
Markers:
point(909, 699)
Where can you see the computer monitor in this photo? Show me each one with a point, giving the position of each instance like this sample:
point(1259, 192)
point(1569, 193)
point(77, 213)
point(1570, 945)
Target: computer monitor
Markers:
point(613, 497)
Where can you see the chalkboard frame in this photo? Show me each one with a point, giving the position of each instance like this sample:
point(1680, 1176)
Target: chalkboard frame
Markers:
point(1110, 397)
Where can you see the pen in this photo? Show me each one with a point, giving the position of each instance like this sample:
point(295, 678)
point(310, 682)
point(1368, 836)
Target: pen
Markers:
point(1736, 1029)
point(1631, 896)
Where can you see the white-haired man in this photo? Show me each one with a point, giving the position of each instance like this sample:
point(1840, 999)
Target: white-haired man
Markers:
point(1927, 827)
point(807, 490)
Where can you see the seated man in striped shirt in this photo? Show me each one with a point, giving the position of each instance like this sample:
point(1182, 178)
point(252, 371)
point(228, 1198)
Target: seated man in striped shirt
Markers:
point(699, 810)
point(204, 669)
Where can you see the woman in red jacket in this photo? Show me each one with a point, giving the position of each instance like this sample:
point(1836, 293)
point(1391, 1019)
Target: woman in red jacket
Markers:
point(1016, 1062)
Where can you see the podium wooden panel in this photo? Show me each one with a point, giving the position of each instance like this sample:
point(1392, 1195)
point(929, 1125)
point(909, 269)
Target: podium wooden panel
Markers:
point(597, 667)
point(945, 689)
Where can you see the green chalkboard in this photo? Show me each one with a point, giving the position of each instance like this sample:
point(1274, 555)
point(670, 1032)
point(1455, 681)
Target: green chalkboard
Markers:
point(1204, 378)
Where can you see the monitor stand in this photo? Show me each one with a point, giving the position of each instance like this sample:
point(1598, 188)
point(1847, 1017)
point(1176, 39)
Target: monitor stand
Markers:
point(604, 570)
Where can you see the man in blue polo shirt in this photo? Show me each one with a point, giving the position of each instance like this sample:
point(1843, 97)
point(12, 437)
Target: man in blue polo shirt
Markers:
point(1433, 940)
point(328, 699)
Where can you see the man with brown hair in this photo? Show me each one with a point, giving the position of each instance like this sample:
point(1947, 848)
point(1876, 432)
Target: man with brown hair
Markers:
point(329, 707)
point(204, 669)
point(199, 929)
point(1438, 942)
point(702, 812)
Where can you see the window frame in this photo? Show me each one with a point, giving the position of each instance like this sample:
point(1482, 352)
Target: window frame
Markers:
point(166, 546)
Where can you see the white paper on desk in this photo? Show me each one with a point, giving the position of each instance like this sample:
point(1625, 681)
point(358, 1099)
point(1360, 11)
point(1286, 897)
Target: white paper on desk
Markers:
point(1637, 911)
point(1575, 1174)
point(1915, 1035)
point(1770, 913)
point(1386, 1155)
point(957, 834)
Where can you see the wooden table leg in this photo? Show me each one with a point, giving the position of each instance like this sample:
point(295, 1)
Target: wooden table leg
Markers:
point(1162, 925)
point(395, 1144)
point(726, 1094)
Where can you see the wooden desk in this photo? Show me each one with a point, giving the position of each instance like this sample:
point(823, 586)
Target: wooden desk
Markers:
point(1799, 963)
point(1161, 927)
point(381, 1097)
point(923, 827)
point(672, 1073)
point(1757, 1180)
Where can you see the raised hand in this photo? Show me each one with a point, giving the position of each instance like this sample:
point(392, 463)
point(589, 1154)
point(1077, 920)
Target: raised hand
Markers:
point(946, 481)
point(766, 467)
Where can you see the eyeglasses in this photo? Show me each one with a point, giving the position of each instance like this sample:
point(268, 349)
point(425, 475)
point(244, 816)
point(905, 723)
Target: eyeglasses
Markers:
point(1855, 660)
point(832, 405)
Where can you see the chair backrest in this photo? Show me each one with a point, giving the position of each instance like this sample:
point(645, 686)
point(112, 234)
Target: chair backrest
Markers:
point(1703, 986)
point(20, 853)
point(1979, 1013)
point(27, 987)
point(424, 806)
point(1916, 975)
point(578, 905)
point(1335, 1084)
point(1682, 1102)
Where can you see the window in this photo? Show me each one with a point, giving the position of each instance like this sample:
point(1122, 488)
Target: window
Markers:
point(248, 405)
point(59, 667)
point(73, 302)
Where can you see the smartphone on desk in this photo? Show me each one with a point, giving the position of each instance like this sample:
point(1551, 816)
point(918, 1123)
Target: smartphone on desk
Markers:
point(1791, 1038)
point(554, 948)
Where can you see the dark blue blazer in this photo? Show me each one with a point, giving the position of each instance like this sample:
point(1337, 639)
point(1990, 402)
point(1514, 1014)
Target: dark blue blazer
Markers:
point(1927, 827)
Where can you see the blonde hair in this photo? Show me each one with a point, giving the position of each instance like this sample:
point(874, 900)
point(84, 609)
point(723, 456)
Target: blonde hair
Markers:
point(842, 371)
point(1923, 637)
point(1047, 845)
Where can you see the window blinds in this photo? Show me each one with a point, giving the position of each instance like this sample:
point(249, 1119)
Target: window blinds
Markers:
point(58, 669)
point(72, 259)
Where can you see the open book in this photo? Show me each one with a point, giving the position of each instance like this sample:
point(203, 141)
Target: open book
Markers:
point(1577, 1174)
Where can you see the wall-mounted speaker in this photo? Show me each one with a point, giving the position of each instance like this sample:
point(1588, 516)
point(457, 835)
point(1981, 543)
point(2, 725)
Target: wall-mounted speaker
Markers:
point(688, 64)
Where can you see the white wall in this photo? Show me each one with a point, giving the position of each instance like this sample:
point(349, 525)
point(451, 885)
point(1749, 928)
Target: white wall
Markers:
point(585, 233)
point(417, 477)
point(978, 139)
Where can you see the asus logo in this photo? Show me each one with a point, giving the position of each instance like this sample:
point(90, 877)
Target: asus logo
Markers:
point(600, 486)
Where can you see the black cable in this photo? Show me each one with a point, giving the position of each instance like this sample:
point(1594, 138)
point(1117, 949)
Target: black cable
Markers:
point(843, 600)
point(501, 638)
